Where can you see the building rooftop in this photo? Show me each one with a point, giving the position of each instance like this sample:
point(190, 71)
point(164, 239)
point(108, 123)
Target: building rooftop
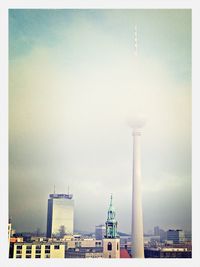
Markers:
point(124, 254)
point(66, 196)
point(41, 243)
point(85, 249)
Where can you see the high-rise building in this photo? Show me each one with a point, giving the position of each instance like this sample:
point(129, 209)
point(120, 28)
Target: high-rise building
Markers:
point(111, 242)
point(156, 230)
point(100, 231)
point(60, 215)
point(163, 235)
point(177, 236)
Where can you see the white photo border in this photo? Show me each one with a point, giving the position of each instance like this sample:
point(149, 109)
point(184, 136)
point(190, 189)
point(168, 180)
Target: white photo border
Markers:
point(4, 106)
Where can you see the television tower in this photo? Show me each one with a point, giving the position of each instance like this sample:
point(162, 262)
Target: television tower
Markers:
point(137, 249)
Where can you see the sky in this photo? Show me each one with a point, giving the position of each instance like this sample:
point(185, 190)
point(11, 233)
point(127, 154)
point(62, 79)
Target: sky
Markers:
point(74, 86)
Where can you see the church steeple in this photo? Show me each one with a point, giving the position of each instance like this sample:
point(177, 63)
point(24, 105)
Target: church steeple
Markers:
point(111, 223)
point(111, 210)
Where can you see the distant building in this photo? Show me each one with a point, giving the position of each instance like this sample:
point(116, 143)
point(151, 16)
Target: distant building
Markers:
point(111, 242)
point(163, 235)
point(18, 239)
point(156, 231)
point(85, 252)
point(60, 215)
point(77, 242)
point(100, 231)
point(188, 236)
point(37, 239)
point(125, 241)
point(177, 236)
point(167, 253)
point(9, 235)
point(9, 231)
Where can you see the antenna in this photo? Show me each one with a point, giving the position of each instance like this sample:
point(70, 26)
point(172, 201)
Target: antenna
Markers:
point(135, 41)
point(54, 189)
point(111, 199)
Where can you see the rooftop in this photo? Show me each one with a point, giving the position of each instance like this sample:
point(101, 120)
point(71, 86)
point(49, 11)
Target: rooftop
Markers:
point(124, 253)
point(66, 196)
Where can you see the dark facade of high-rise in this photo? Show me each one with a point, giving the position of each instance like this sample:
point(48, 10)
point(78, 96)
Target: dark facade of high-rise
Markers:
point(177, 236)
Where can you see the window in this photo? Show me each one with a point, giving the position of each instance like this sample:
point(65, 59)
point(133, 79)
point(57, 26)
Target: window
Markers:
point(28, 247)
point(117, 246)
point(19, 247)
point(77, 244)
point(38, 247)
point(37, 256)
point(109, 256)
point(28, 251)
point(109, 246)
point(38, 251)
point(19, 252)
point(47, 249)
point(28, 256)
point(18, 256)
point(56, 246)
point(47, 256)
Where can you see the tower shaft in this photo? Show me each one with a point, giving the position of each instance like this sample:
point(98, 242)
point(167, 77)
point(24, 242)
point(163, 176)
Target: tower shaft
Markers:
point(137, 216)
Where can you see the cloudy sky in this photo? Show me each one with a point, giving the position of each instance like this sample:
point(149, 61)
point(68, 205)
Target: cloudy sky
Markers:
point(74, 84)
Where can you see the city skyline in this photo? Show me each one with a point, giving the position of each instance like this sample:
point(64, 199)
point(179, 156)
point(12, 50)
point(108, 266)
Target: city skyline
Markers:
point(72, 93)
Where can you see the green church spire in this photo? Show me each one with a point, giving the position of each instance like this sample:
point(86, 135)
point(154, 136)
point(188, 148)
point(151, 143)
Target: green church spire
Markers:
point(111, 223)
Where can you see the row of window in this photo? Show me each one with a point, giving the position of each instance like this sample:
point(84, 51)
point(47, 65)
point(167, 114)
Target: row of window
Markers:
point(29, 256)
point(38, 251)
point(38, 247)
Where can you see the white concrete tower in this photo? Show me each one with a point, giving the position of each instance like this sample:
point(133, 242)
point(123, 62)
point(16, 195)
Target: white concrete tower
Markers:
point(137, 216)
point(137, 250)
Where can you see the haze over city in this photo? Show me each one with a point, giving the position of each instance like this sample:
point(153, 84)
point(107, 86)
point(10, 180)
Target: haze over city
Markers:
point(74, 89)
